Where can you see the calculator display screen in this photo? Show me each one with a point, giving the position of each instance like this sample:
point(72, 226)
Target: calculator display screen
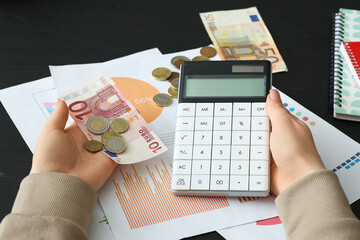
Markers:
point(225, 87)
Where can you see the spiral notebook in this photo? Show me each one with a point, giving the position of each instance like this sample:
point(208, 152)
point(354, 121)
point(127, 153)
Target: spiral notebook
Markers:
point(344, 91)
point(350, 52)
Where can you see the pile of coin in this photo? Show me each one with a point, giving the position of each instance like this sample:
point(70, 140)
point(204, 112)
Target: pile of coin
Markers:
point(163, 74)
point(110, 139)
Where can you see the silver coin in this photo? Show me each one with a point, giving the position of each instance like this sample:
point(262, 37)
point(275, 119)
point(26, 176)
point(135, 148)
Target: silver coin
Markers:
point(97, 125)
point(115, 145)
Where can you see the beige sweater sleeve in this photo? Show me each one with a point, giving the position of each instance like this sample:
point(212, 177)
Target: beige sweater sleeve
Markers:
point(50, 206)
point(316, 207)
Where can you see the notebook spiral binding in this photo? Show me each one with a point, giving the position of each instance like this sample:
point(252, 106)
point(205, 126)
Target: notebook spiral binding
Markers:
point(336, 61)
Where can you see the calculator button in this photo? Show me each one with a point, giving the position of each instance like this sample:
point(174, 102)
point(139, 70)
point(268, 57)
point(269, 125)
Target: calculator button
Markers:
point(239, 183)
point(220, 167)
point(183, 152)
point(219, 182)
point(259, 138)
point(186, 110)
point(203, 123)
point(222, 123)
point(181, 167)
point(259, 168)
point(258, 109)
point(222, 137)
point(202, 152)
point(180, 182)
point(185, 123)
point(259, 152)
point(200, 182)
point(241, 123)
point(204, 109)
point(202, 137)
point(223, 110)
point(184, 138)
point(221, 152)
point(260, 123)
point(242, 109)
point(238, 167)
point(240, 138)
point(200, 167)
point(259, 183)
point(240, 152)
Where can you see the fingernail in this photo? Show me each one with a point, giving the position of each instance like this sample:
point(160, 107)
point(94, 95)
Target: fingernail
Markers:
point(274, 95)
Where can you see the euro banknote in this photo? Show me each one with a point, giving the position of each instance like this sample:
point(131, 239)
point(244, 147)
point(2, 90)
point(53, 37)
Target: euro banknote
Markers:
point(101, 97)
point(242, 35)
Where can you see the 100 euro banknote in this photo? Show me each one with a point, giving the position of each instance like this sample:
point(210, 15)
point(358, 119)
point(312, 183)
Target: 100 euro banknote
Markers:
point(101, 97)
point(242, 35)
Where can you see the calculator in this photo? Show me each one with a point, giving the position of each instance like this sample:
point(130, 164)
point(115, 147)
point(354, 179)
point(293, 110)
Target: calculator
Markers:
point(222, 129)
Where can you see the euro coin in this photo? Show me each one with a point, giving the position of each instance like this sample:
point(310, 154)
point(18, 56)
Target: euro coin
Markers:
point(174, 59)
point(173, 92)
point(162, 99)
point(119, 125)
point(115, 145)
point(173, 76)
point(201, 58)
point(109, 134)
point(97, 125)
point(161, 73)
point(208, 51)
point(93, 146)
point(175, 83)
point(178, 63)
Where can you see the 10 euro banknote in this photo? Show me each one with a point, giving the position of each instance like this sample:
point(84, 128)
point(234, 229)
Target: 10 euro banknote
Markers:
point(242, 35)
point(101, 97)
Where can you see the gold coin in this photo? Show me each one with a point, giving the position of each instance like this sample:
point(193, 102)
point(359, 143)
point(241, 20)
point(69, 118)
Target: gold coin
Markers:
point(173, 92)
point(97, 125)
point(109, 134)
point(175, 83)
point(174, 59)
point(178, 63)
point(115, 145)
point(201, 58)
point(162, 99)
point(173, 76)
point(93, 146)
point(119, 125)
point(208, 51)
point(161, 73)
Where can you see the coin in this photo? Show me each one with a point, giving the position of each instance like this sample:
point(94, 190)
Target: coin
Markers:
point(97, 125)
point(162, 99)
point(201, 58)
point(119, 125)
point(178, 63)
point(115, 145)
point(174, 59)
point(109, 134)
point(173, 92)
point(175, 83)
point(208, 51)
point(173, 76)
point(161, 73)
point(93, 146)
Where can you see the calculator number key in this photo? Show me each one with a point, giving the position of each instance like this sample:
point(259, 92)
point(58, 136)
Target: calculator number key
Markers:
point(240, 137)
point(219, 182)
point(203, 137)
point(200, 167)
point(222, 138)
point(202, 152)
point(239, 167)
point(200, 182)
point(220, 167)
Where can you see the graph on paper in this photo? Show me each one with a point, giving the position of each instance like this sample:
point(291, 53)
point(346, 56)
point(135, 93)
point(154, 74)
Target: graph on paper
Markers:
point(144, 204)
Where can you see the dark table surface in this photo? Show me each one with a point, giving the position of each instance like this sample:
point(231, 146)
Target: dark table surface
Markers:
point(35, 34)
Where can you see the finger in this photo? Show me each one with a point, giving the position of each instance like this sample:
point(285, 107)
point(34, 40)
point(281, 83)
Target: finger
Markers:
point(275, 109)
point(59, 117)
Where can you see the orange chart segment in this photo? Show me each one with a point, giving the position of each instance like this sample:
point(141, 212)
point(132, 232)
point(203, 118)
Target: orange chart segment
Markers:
point(144, 206)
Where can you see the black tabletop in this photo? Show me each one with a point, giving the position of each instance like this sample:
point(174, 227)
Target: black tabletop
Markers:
point(35, 34)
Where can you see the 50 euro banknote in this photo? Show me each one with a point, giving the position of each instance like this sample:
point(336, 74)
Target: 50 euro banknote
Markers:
point(242, 35)
point(101, 97)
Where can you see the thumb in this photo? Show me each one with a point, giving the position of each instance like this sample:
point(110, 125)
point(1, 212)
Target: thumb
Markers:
point(274, 107)
point(58, 117)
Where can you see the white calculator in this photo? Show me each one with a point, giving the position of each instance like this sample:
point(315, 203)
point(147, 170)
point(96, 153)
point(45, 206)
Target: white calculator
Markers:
point(222, 129)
